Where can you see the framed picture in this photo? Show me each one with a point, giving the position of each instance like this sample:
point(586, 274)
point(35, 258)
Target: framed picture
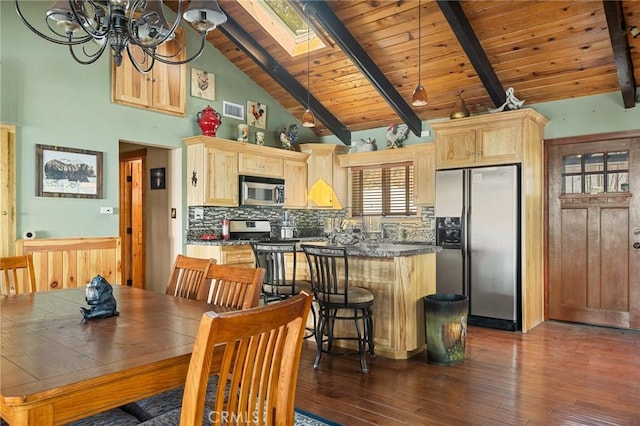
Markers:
point(158, 178)
point(256, 115)
point(203, 84)
point(232, 110)
point(68, 172)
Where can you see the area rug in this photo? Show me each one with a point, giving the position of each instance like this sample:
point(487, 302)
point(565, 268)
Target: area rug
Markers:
point(304, 418)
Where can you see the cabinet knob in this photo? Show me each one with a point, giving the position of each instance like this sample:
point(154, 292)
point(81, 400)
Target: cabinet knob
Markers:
point(471, 154)
point(480, 153)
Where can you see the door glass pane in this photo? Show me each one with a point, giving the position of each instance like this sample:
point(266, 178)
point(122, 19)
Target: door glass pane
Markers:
point(594, 184)
point(618, 182)
point(572, 164)
point(594, 162)
point(618, 160)
point(572, 185)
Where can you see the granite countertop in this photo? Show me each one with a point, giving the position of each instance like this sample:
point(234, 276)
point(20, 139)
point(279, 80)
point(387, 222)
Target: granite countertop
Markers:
point(390, 249)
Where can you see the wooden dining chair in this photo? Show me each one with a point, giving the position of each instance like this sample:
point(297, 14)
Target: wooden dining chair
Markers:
point(18, 275)
point(262, 349)
point(189, 278)
point(236, 287)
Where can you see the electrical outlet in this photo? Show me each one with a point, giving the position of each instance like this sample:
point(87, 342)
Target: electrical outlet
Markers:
point(106, 210)
point(425, 133)
point(198, 213)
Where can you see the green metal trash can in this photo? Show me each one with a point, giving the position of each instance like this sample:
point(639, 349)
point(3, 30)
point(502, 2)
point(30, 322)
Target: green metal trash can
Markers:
point(446, 327)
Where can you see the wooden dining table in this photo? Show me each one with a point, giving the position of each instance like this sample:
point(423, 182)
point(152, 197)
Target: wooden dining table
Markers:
point(56, 367)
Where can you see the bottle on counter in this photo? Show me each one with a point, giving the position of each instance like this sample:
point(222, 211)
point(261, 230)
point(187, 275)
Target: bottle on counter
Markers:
point(225, 228)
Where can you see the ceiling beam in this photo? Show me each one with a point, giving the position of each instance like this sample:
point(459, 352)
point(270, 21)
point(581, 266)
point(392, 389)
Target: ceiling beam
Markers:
point(265, 61)
point(350, 47)
point(621, 54)
point(452, 11)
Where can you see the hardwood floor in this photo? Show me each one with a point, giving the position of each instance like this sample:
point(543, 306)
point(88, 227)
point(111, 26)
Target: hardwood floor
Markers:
point(558, 373)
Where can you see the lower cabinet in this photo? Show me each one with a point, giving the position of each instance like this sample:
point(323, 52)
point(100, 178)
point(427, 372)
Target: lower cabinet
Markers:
point(237, 255)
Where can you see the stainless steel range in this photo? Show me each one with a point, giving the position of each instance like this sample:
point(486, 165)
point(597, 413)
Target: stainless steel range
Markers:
point(249, 229)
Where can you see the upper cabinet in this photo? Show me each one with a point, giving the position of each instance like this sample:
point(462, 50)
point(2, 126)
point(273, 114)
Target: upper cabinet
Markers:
point(295, 178)
point(214, 164)
point(327, 181)
point(163, 89)
point(424, 172)
point(489, 139)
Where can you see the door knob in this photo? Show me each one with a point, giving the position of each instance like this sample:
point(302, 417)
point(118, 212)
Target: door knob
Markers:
point(636, 245)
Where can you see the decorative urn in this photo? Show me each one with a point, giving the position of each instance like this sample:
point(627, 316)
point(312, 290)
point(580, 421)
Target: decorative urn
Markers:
point(209, 120)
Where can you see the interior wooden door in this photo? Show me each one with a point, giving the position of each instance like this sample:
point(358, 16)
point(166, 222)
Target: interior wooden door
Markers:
point(7, 190)
point(132, 217)
point(594, 233)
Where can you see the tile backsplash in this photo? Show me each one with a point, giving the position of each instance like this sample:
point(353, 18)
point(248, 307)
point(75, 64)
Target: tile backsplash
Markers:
point(308, 223)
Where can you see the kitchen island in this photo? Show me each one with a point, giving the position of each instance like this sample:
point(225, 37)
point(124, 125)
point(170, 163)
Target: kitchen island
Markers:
point(399, 276)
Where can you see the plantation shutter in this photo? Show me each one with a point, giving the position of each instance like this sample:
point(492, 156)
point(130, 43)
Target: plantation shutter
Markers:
point(383, 190)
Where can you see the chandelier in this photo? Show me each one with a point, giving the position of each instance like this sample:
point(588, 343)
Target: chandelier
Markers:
point(138, 27)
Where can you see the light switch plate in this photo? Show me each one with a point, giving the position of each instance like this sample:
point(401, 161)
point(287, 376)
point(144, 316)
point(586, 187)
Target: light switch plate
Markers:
point(106, 210)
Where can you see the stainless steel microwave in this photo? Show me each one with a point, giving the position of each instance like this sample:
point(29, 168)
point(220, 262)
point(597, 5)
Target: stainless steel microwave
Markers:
point(261, 191)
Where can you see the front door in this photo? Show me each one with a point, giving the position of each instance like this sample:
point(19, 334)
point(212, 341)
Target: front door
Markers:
point(594, 232)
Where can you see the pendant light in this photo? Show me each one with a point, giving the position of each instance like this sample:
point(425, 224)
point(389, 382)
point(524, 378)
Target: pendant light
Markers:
point(419, 96)
point(308, 119)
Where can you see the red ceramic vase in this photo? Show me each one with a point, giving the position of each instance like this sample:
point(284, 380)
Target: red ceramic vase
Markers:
point(209, 120)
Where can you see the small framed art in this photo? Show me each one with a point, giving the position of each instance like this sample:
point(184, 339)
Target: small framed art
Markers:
point(157, 177)
point(203, 84)
point(256, 115)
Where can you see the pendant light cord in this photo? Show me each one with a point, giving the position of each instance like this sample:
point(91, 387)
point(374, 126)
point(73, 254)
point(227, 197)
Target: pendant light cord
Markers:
point(419, 42)
point(308, 60)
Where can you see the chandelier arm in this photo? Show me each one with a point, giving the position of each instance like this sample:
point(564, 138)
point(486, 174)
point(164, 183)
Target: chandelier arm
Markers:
point(193, 58)
point(92, 32)
point(93, 57)
point(69, 41)
point(137, 65)
point(173, 28)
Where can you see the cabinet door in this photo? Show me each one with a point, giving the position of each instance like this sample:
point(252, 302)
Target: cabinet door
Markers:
point(221, 186)
point(163, 89)
point(455, 148)
point(128, 86)
point(424, 169)
point(320, 178)
point(169, 81)
point(295, 180)
point(257, 165)
point(500, 143)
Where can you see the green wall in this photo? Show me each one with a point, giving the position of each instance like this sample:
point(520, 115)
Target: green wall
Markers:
point(53, 100)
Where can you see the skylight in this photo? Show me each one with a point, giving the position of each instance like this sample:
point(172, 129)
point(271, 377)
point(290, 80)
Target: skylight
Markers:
point(284, 23)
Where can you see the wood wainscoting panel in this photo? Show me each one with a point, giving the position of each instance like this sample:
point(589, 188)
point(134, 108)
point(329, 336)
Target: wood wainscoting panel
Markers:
point(72, 262)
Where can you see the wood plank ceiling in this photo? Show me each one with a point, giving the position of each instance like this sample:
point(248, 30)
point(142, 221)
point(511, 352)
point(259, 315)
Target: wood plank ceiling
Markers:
point(545, 50)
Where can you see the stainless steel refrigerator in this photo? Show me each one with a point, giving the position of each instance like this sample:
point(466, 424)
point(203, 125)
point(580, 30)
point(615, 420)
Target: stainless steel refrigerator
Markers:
point(477, 224)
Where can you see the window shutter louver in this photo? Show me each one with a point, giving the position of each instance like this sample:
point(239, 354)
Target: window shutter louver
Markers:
point(385, 190)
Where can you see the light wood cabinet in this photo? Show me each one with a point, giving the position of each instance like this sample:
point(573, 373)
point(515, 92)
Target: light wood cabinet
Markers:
point(424, 169)
point(327, 181)
point(295, 181)
point(259, 165)
point(214, 164)
point(163, 89)
point(508, 137)
point(212, 175)
point(237, 255)
point(467, 143)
